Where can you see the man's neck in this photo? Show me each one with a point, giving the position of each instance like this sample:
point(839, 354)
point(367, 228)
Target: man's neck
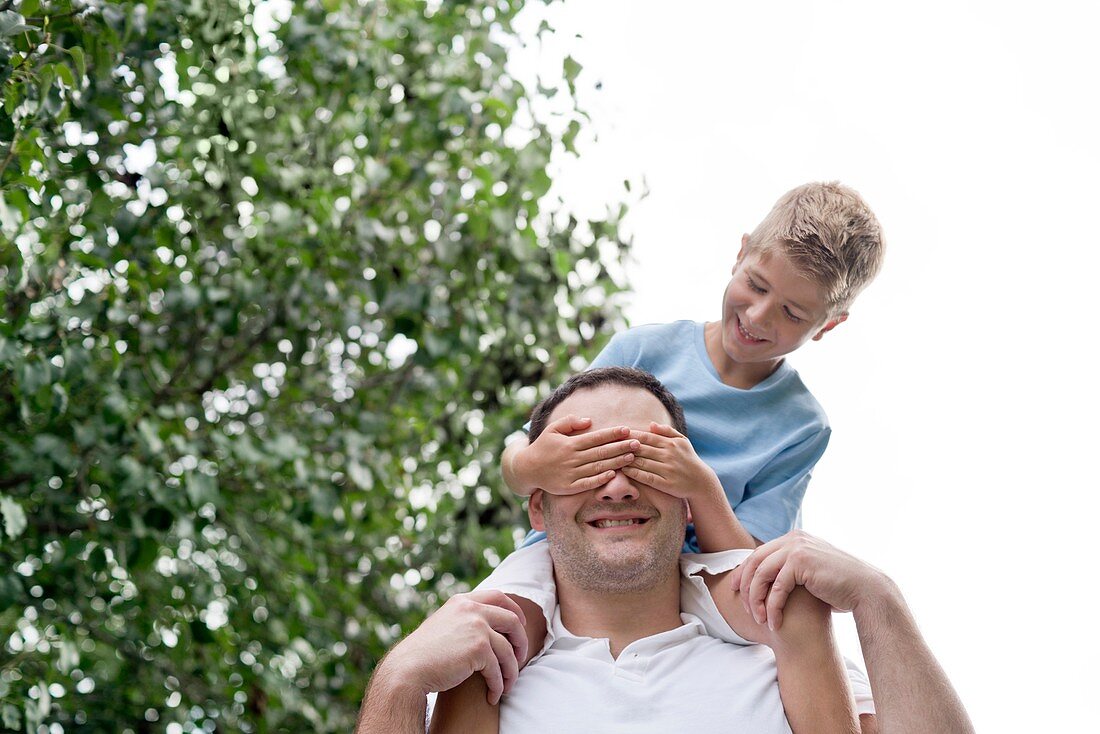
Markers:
point(621, 617)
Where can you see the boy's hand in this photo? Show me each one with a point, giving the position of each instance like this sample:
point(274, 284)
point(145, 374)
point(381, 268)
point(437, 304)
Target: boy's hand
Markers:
point(667, 461)
point(561, 462)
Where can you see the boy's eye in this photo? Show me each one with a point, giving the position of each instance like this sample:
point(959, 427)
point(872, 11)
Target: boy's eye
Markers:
point(754, 287)
point(791, 316)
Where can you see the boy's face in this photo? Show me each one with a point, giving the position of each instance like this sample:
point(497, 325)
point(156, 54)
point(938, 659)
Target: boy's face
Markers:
point(770, 309)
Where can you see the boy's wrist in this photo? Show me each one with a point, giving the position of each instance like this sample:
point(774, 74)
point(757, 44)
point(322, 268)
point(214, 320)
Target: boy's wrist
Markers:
point(517, 470)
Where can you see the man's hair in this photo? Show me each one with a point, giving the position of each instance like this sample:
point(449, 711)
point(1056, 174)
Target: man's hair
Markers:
point(829, 234)
point(625, 376)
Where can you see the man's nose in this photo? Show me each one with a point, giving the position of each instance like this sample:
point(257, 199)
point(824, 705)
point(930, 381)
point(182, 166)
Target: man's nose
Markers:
point(621, 487)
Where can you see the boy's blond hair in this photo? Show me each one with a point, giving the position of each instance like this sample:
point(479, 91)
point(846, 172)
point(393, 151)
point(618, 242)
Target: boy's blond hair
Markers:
point(829, 234)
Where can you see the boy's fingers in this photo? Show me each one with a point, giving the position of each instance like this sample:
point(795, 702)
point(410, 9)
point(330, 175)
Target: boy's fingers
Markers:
point(569, 424)
point(600, 437)
point(609, 450)
point(584, 484)
point(647, 465)
point(647, 478)
point(600, 468)
point(665, 430)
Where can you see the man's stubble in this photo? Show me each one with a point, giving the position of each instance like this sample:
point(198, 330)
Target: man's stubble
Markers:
point(618, 565)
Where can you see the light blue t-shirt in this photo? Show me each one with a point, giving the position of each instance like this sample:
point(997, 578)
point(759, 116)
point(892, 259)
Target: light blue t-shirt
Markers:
point(762, 442)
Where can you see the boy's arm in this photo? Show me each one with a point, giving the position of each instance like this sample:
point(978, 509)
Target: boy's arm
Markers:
point(667, 461)
point(912, 692)
point(813, 682)
point(564, 461)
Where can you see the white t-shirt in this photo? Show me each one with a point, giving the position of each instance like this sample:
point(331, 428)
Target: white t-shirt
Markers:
point(679, 680)
point(683, 679)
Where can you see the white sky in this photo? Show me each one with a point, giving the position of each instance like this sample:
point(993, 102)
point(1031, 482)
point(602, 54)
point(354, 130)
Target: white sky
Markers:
point(960, 390)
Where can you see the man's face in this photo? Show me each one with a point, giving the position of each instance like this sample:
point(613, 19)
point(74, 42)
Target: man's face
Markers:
point(623, 536)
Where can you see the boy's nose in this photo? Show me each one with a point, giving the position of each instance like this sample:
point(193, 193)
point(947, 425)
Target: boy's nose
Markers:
point(760, 313)
point(619, 488)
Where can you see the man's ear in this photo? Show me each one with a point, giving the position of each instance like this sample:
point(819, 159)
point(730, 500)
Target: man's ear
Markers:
point(831, 324)
point(534, 510)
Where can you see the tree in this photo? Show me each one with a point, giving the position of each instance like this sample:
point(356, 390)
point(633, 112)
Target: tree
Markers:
point(277, 282)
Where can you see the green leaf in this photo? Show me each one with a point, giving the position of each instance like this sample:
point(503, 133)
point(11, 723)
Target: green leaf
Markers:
point(77, 54)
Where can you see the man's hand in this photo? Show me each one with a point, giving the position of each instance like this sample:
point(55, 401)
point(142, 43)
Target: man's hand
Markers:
point(561, 462)
point(667, 461)
point(479, 632)
point(768, 576)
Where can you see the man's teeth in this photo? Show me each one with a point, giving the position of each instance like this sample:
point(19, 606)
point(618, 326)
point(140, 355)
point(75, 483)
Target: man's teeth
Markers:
point(615, 523)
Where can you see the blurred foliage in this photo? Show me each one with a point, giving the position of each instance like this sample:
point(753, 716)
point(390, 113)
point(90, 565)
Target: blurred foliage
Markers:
point(277, 280)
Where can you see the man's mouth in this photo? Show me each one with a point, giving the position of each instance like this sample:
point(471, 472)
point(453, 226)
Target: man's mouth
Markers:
point(619, 523)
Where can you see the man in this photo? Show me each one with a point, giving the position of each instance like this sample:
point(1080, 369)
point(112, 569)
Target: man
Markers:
point(621, 655)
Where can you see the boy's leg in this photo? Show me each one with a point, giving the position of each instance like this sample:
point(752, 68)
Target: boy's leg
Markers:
point(466, 708)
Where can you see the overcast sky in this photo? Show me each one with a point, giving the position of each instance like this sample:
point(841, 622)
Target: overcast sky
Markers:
point(962, 391)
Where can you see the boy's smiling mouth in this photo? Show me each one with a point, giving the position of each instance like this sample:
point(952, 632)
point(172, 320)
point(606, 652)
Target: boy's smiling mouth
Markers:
point(746, 334)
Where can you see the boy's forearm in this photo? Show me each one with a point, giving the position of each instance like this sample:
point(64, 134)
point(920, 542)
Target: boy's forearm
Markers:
point(912, 692)
point(465, 709)
point(716, 526)
point(813, 682)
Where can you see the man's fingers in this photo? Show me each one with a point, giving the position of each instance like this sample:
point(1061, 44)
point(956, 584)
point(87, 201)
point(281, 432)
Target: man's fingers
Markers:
point(506, 663)
point(762, 579)
point(489, 667)
point(509, 625)
point(499, 599)
point(782, 587)
point(748, 570)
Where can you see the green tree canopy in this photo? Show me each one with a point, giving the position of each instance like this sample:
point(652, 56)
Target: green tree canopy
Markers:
point(277, 280)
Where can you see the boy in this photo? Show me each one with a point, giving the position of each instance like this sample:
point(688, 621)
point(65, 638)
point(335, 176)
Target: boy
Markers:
point(755, 429)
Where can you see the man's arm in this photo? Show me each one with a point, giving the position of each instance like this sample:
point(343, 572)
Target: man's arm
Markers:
point(912, 692)
point(480, 632)
point(813, 683)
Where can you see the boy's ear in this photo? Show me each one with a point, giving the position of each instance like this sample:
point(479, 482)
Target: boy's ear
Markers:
point(744, 246)
point(534, 510)
point(831, 324)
